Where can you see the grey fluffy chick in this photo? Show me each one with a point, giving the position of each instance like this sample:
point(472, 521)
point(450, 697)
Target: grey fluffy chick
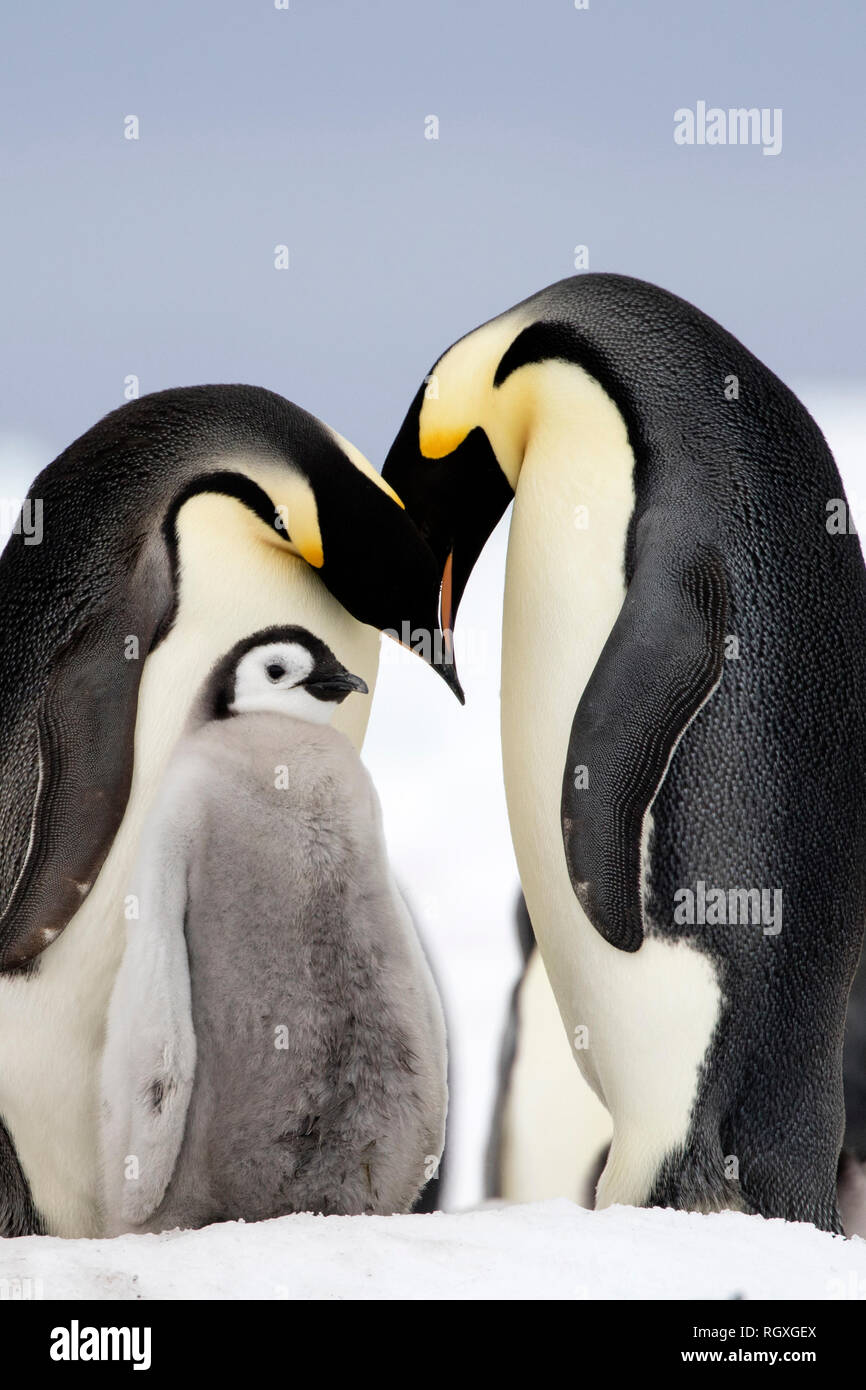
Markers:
point(275, 1041)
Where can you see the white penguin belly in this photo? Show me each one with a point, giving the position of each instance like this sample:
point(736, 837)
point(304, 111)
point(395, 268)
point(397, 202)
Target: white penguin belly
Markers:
point(52, 1024)
point(646, 1018)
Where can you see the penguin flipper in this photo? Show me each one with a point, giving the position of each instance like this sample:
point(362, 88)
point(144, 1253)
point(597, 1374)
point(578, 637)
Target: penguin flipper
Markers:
point(149, 1059)
point(81, 738)
point(661, 662)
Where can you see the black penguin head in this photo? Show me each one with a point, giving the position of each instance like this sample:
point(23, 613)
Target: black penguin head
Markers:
point(280, 670)
point(319, 498)
point(456, 498)
point(189, 472)
point(458, 456)
point(316, 496)
point(456, 486)
point(375, 560)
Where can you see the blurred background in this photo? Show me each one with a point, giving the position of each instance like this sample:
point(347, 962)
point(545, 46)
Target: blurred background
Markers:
point(306, 127)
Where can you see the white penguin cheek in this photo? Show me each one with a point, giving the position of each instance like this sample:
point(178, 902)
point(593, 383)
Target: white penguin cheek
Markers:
point(299, 703)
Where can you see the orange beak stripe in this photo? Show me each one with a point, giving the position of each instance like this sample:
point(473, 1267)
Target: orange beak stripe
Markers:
point(445, 605)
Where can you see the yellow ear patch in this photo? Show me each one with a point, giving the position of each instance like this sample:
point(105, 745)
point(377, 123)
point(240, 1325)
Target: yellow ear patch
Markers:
point(436, 443)
point(295, 505)
point(460, 395)
point(310, 547)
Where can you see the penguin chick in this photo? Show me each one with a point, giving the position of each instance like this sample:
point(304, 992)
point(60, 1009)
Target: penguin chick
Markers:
point(275, 1041)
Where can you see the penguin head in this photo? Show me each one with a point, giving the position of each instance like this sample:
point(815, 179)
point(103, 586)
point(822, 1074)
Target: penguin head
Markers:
point(309, 492)
point(530, 381)
point(375, 560)
point(281, 670)
point(148, 503)
point(457, 456)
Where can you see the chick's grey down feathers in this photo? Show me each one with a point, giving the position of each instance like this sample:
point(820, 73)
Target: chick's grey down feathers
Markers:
point(319, 1079)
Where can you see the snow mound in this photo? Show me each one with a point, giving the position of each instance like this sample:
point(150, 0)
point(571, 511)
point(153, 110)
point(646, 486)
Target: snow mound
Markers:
point(546, 1250)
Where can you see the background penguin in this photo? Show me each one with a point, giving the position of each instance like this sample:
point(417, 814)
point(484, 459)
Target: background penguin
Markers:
point(549, 1132)
point(298, 1063)
point(172, 529)
point(684, 660)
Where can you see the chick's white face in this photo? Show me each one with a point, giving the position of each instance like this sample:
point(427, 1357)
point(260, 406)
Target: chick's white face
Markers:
point(269, 678)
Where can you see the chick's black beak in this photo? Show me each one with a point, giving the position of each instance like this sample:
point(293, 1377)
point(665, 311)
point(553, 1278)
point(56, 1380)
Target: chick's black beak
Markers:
point(336, 685)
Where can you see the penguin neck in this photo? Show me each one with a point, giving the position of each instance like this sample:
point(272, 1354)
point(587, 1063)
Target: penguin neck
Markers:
point(564, 588)
point(574, 499)
point(554, 415)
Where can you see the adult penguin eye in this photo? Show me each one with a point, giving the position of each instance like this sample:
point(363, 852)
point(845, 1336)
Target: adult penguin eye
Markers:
point(275, 672)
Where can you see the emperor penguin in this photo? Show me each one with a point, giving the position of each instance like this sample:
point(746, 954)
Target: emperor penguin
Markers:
point(549, 1132)
point(275, 1041)
point(172, 529)
point(683, 721)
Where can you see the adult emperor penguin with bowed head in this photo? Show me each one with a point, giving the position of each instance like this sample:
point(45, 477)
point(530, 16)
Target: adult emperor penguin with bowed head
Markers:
point(683, 722)
point(172, 529)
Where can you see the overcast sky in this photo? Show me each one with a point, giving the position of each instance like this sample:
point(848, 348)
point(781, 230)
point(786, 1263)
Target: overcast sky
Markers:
point(306, 127)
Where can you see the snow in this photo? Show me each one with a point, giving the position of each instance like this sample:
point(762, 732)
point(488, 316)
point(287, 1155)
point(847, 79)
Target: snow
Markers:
point(547, 1250)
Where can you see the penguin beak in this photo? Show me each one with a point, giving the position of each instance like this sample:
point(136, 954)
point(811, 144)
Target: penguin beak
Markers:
point(446, 667)
point(337, 685)
point(430, 636)
point(380, 567)
point(455, 501)
point(434, 643)
point(451, 679)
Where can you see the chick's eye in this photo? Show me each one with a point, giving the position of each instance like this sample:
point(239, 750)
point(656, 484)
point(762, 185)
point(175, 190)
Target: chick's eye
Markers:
point(275, 672)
